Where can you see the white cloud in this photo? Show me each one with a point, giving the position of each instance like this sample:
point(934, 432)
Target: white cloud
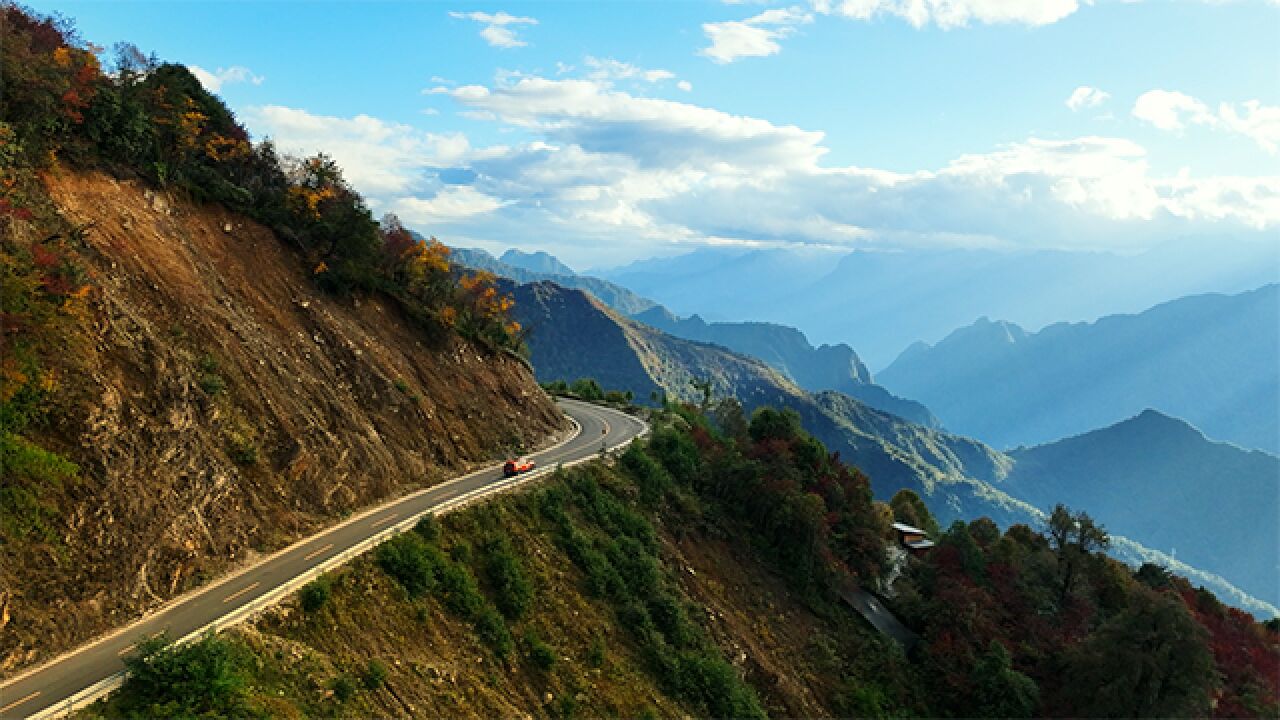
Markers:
point(377, 157)
point(608, 70)
point(1175, 111)
point(450, 204)
point(213, 81)
point(955, 13)
point(497, 29)
point(1171, 110)
point(756, 36)
point(599, 119)
point(614, 175)
point(685, 85)
point(1086, 97)
point(1259, 122)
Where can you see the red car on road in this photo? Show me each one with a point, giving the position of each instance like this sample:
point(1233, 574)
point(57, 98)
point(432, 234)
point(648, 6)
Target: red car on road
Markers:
point(513, 468)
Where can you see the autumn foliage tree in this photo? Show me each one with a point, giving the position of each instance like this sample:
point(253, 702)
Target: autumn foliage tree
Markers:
point(151, 120)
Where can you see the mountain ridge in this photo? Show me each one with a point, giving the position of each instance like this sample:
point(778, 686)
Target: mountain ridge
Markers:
point(1155, 476)
point(573, 336)
point(875, 297)
point(1208, 358)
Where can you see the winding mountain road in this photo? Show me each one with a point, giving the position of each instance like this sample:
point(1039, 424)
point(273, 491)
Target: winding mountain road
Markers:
point(89, 672)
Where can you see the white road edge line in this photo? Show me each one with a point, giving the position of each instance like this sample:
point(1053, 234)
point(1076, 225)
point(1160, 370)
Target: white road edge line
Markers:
point(101, 688)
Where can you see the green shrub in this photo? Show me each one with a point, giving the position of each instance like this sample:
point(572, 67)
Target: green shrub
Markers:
point(715, 685)
point(587, 389)
point(211, 384)
point(22, 459)
point(241, 448)
point(429, 528)
point(670, 619)
point(205, 678)
point(596, 653)
point(315, 594)
point(542, 655)
point(677, 453)
point(413, 563)
point(512, 589)
point(24, 516)
point(374, 675)
point(651, 479)
point(459, 591)
point(343, 688)
point(31, 474)
point(492, 630)
point(461, 552)
point(207, 363)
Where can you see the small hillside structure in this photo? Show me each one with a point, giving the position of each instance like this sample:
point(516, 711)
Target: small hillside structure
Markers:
point(912, 538)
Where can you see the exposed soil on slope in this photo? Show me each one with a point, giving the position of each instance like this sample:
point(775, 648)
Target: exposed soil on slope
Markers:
point(223, 408)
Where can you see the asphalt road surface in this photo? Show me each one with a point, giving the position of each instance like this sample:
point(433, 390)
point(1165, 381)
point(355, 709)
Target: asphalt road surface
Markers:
point(48, 690)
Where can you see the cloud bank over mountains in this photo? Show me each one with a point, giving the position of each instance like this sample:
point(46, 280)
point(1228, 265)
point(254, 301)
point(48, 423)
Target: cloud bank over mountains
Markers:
point(594, 163)
point(600, 165)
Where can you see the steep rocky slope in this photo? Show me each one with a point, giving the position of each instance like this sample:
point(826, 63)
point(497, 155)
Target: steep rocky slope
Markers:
point(223, 408)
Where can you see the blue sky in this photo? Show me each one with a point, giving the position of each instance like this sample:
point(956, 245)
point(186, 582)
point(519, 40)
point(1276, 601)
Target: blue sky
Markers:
point(610, 131)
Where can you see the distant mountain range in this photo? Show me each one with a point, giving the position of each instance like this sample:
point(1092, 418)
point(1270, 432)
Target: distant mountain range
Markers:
point(573, 336)
point(1160, 481)
point(538, 262)
point(533, 267)
point(882, 301)
point(828, 367)
point(1211, 359)
point(783, 348)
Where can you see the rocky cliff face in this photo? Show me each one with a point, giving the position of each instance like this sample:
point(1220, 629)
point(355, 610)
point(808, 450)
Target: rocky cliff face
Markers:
point(225, 408)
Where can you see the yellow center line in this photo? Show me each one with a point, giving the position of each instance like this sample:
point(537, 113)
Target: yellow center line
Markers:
point(238, 593)
point(16, 703)
point(385, 520)
point(128, 649)
point(314, 553)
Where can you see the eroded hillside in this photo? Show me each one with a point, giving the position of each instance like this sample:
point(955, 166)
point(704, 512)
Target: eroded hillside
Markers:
point(218, 406)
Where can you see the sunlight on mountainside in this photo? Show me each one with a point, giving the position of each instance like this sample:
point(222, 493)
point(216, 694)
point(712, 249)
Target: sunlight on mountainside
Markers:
point(704, 359)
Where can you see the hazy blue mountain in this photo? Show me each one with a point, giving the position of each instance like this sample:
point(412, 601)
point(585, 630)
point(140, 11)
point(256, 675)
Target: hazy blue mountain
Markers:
point(828, 367)
point(539, 262)
point(615, 296)
point(882, 301)
point(1211, 359)
point(572, 336)
point(1162, 483)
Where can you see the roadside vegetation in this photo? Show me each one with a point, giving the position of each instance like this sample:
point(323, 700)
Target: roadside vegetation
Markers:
point(1011, 624)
